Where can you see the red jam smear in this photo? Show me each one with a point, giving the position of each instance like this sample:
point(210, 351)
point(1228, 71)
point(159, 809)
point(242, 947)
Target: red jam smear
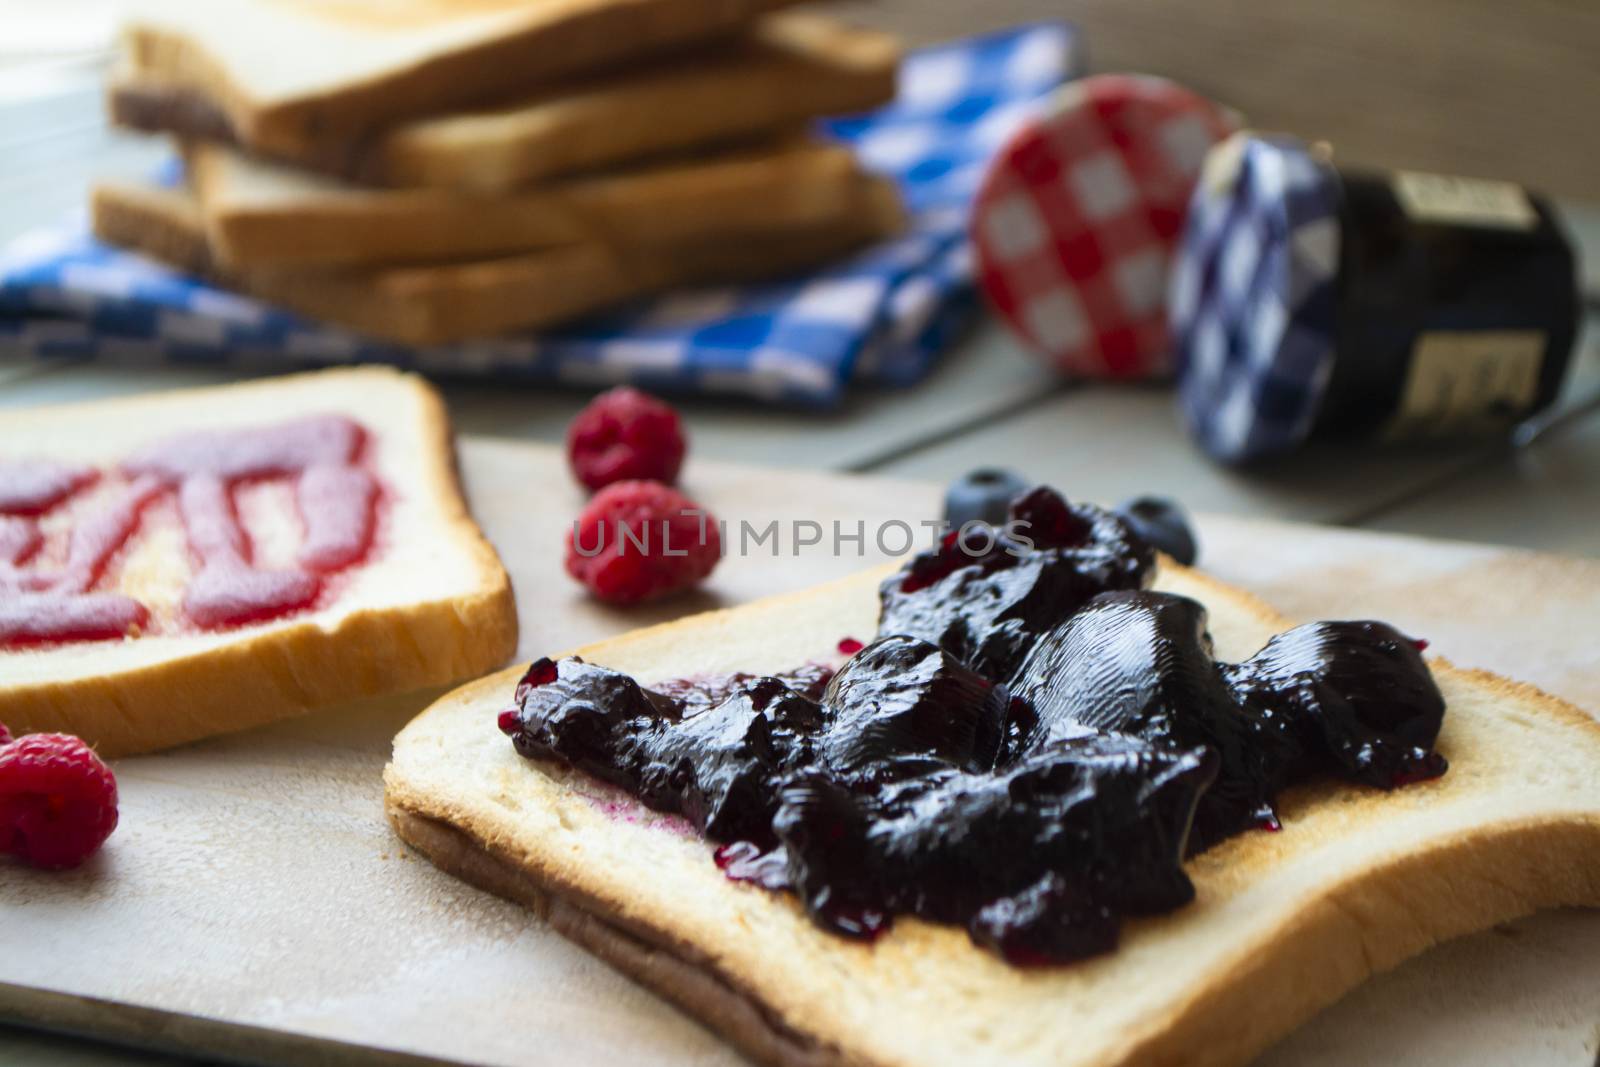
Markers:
point(97, 539)
point(255, 452)
point(336, 496)
point(36, 617)
point(229, 591)
point(19, 539)
point(339, 504)
point(40, 606)
point(32, 487)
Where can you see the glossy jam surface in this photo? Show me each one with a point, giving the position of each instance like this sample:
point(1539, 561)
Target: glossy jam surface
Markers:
point(335, 495)
point(988, 607)
point(1030, 747)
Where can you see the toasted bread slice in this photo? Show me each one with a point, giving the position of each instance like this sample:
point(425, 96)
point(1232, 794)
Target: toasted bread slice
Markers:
point(260, 215)
point(283, 73)
point(162, 222)
point(788, 69)
point(429, 605)
point(1283, 923)
point(415, 305)
point(442, 303)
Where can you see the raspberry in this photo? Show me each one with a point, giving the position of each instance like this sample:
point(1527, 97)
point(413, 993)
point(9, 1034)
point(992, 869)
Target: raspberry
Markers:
point(58, 801)
point(625, 435)
point(638, 540)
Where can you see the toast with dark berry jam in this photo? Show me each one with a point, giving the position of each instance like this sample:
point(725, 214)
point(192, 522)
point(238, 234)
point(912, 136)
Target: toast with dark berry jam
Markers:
point(1068, 808)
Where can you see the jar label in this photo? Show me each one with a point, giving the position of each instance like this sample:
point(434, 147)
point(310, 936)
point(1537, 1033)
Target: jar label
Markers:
point(1464, 201)
point(1465, 380)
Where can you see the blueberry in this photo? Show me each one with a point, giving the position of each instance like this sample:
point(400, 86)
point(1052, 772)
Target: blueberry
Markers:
point(984, 494)
point(1162, 522)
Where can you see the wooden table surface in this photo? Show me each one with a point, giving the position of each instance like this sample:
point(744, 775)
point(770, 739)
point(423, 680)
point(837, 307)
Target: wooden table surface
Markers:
point(987, 403)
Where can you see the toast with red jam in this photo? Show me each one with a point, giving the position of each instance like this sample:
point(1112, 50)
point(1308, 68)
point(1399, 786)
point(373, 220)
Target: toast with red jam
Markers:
point(184, 564)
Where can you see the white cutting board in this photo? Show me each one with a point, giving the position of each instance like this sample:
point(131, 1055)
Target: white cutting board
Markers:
point(254, 905)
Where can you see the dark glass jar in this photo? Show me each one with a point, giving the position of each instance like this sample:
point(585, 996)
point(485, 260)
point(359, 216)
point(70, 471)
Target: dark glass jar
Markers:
point(1311, 302)
point(1458, 306)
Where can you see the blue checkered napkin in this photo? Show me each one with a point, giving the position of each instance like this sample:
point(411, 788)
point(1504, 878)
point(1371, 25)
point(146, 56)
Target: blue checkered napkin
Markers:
point(882, 316)
point(1252, 298)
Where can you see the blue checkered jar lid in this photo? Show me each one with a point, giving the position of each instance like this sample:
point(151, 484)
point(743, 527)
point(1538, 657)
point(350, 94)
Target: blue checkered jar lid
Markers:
point(1252, 300)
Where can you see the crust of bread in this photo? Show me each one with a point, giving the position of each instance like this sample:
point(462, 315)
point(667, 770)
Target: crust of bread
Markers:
point(443, 303)
point(790, 68)
point(1283, 924)
point(259, 216)
point(787, 70)
point(144, 694)
point(677, 972)
point(359, 67)
point(164, 224)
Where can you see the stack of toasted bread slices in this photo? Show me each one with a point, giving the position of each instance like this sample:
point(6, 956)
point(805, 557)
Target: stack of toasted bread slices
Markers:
point(430, 172)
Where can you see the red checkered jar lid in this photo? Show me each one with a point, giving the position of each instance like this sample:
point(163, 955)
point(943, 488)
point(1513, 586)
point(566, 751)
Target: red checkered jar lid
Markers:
point(1076, 221)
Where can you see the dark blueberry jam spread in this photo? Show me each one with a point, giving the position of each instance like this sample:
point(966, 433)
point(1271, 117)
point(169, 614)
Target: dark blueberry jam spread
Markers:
point(1030, 747)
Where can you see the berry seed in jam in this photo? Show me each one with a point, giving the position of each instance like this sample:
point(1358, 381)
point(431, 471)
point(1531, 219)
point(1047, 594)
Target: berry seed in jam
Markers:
point(1030, 748)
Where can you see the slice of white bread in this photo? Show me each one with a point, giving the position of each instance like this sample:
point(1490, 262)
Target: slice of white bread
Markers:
point(432, 605)
point(1283, 923)
point(261, 215)
point(443, 303)
point(285, 72)
point(412, 305)
point(788, 69)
